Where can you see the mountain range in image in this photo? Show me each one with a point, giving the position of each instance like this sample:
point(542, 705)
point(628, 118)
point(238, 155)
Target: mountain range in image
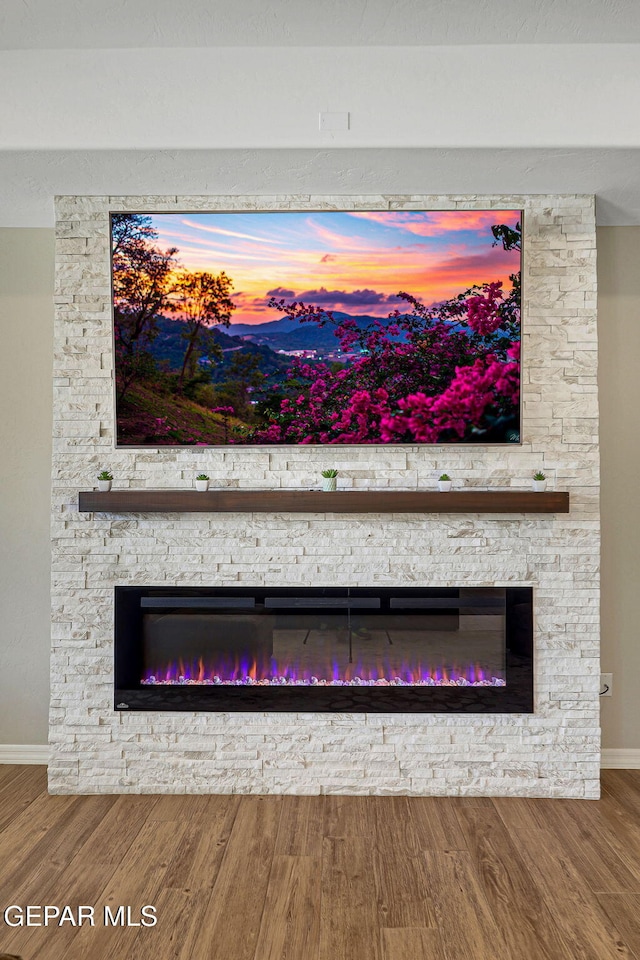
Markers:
point(272, 342)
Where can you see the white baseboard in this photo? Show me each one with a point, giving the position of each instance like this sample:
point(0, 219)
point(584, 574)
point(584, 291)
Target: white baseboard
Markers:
point(620, 759)
point(24, 753)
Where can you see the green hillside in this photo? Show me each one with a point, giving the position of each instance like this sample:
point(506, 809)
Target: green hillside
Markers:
point(149, 417)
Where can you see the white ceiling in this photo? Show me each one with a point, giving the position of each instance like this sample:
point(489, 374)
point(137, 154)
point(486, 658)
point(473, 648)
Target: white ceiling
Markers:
point(90, 24)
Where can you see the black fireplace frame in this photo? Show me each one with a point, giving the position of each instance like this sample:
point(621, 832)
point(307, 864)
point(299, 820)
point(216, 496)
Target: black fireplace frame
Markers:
point(516, 696)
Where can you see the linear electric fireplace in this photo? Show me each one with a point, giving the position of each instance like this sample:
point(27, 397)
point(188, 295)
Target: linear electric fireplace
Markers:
point(324, 649)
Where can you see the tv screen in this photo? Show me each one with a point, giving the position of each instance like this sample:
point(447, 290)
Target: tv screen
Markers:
point(317, 327)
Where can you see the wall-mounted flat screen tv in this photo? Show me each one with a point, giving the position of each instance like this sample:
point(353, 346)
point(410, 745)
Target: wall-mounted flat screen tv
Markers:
point(317, 327)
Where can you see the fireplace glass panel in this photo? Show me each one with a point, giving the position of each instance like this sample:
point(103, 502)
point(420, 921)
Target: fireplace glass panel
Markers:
point(313, 649)
point(368, 640)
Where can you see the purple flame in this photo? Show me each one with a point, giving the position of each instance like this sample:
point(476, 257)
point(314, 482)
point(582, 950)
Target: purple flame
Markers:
point(242, 672)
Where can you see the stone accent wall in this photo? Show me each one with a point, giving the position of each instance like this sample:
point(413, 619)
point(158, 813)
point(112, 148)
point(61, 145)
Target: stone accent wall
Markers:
point(552, 753)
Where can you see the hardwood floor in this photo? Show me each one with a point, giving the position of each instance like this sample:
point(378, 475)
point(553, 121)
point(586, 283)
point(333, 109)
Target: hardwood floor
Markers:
point(324, 878)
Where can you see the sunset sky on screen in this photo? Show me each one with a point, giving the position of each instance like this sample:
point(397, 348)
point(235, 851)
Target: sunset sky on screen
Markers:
point(355, 262)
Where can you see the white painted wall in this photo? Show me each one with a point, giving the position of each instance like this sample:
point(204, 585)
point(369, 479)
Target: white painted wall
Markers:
point(29, 179)
point(522, 95)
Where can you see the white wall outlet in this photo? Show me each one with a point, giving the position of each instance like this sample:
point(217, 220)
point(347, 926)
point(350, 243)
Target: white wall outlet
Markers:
point(606, 684)
point(333, 121)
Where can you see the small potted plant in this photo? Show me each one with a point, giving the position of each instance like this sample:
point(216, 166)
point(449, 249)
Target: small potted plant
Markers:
point(104, 481)
point(202, 482)
point(329, 479)
point(444, 482)
point(539, 481)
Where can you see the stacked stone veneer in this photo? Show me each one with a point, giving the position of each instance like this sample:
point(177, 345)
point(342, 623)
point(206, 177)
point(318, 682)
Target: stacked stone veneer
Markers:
point(554, 752)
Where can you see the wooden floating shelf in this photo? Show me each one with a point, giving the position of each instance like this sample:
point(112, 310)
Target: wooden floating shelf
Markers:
point(231, 500)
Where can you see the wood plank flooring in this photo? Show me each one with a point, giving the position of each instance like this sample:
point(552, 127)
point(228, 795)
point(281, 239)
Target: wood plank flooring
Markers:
point(324, 878)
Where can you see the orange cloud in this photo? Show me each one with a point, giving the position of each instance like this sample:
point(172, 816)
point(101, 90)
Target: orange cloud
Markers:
point(338, 241)
point(437, 222)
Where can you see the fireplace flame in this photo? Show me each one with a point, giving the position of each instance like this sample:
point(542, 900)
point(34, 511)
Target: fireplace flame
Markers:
point(244, 671)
